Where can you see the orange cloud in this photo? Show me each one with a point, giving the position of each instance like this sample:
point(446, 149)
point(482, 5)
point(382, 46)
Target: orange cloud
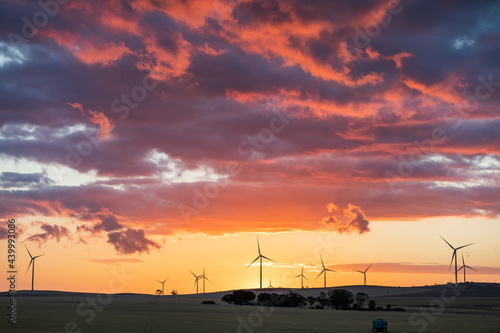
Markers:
point(92, 50)
point(350, 219)
point(106, 126)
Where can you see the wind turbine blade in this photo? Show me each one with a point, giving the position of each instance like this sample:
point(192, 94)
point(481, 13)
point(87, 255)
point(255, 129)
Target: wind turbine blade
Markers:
point(471, 268)
point(196, 276)
point(305, 277)
point(358, 271)
point(461, 247)
point(297, 276)
point(322, 263)
point(38, 256)
point(452, 257)
point(165, 280)
point(268, 258)
point(207, 279)
point(159, 281)
point(253, 262)
point(458, 270)
point(258, 245)
point(29, 266)
point(366, 270)
point(330, 270)
point(447, 242)
point(319, 274)
point(28, 251)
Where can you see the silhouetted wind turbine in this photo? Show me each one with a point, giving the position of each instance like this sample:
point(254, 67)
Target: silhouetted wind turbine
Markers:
point(364, 272)
point(324, 270)
point(162, 286)
point(203, 277)
point(455, 256)
point(32, 268)
point(260, 257)
point(270, 285)
point(197, 277)
point(302, 276)
point(464, 266)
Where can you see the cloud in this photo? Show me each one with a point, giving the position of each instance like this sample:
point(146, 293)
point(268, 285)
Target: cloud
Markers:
point(360, 114)
point(16, 180)
point(106, 126)
point(347, 220)
point(130, 241)
point(50, 232)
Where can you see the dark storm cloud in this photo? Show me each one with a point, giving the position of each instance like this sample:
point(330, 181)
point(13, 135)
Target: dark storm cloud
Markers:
point(345, 137)
point(131, 241)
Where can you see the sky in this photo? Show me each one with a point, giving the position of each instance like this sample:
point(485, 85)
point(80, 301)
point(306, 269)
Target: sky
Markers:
point(150, 138)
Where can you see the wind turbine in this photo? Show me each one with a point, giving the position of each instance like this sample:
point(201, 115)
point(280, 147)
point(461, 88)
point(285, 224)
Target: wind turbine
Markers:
point(324, 270)
point(364, 272)
point(464, 266)
point(270, 285)
point(260, 257)
point(455, 256)
point(197, 277)
point(302, 276)
point(32, 268)
point(162, 286)
point(203, 277)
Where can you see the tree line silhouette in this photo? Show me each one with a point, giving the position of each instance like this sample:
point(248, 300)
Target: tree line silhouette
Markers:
point(338, 299)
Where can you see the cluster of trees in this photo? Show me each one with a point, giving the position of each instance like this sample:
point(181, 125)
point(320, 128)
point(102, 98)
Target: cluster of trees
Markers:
point(338, 299)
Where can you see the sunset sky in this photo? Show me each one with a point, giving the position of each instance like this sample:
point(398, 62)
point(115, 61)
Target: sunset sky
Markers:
point(161, 136)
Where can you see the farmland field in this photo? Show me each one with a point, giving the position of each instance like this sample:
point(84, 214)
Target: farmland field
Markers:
point(426, 310)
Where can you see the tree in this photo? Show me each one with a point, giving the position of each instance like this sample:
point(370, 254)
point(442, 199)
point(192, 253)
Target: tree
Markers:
point(340, 298)
point(311, 300)
point(239, 297)
point(282, 300)
point(360, 299)
point(371, 305)
point(322, 300)
point(296, 299)
point(174, 292)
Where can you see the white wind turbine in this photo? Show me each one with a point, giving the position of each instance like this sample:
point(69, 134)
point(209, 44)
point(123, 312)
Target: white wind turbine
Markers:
point(464, 267)
point(324, 271)
point(162, 286)
point(32, 261)
point(364, 272)
point(197, 277)
point(259, 257)
point(203, 277)
point(302, 276)
point(454, 256)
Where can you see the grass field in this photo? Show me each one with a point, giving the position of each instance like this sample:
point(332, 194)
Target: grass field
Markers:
point(426, 311)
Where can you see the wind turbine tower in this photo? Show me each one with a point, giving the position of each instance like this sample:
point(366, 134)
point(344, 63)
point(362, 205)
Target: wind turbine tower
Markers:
point(464, 267)
point(203, 277)
point(197, 277)
point(260, 257)
point(364, 272)
point(454, 256)
point(302, 276)
point(162, 286)
point(324, 271)
point(32, 261)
